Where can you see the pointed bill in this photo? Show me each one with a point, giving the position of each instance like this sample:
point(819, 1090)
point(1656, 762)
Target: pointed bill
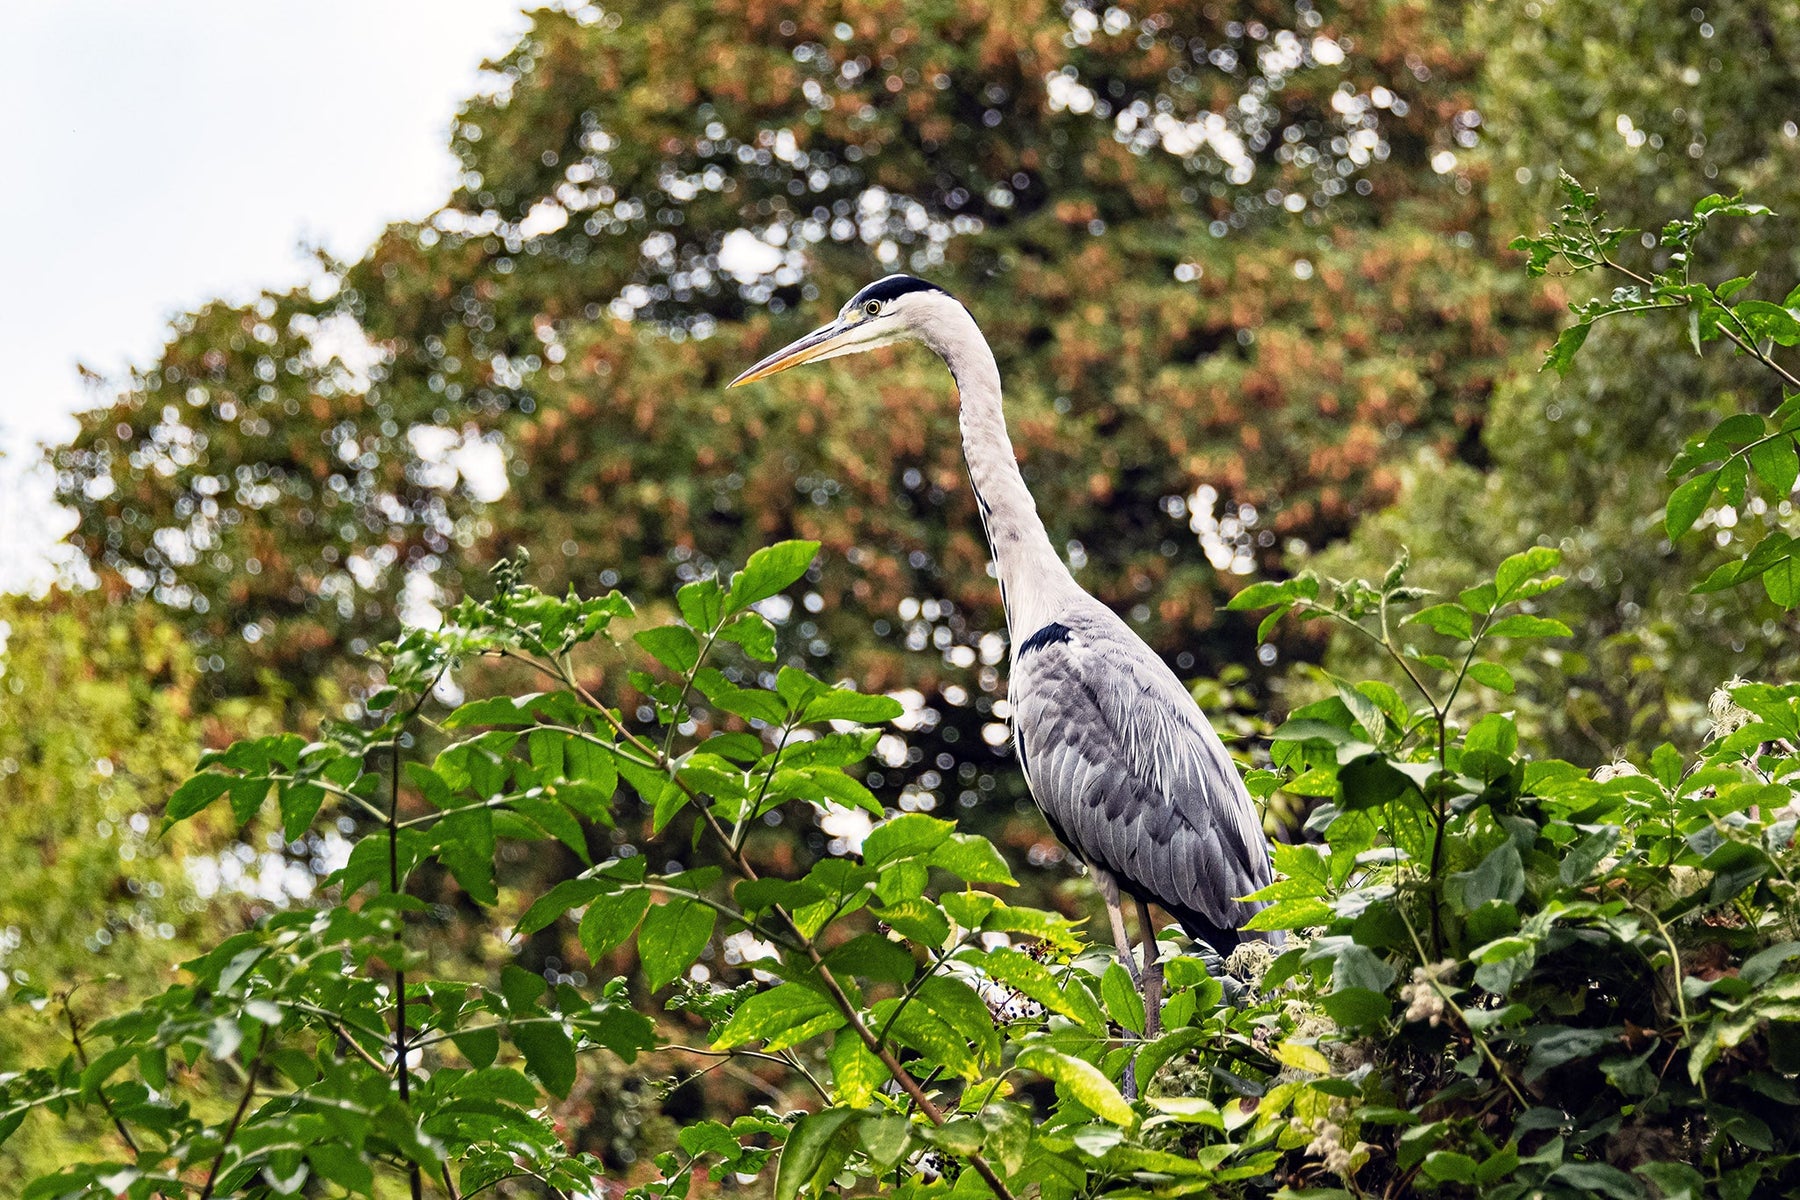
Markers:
point(820, 343)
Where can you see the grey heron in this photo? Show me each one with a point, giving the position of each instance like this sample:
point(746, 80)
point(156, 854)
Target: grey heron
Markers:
point(1124, 765)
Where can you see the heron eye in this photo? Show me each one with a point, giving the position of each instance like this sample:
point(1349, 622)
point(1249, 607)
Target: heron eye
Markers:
point(873, 308)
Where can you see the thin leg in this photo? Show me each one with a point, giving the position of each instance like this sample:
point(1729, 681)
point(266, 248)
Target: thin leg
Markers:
point(1153, 974)
point(1109, 891)
point(1122, 941)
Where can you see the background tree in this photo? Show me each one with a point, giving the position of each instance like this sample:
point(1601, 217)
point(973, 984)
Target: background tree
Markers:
point(96, 729)
point(1656, 108)
point(1228, 270)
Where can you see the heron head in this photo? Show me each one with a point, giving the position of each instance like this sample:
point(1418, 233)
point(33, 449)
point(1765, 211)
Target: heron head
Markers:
point(887, 311)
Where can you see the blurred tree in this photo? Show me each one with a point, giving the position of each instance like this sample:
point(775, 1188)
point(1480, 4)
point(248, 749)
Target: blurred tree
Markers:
point(1229, 264)
point(1655, 107)
point(96, 728)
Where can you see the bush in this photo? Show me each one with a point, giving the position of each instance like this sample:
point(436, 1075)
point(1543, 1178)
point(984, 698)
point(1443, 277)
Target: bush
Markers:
point(1507, 975)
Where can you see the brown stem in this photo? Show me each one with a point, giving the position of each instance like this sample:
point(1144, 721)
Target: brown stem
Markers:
point(81, 1053)
point(402, 1074)
point(237, 1117)
point(833, 988)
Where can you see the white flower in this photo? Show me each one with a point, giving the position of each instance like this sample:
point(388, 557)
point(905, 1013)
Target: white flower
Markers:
point(1425, 994)
point(1727, 716)
point(1617, 769)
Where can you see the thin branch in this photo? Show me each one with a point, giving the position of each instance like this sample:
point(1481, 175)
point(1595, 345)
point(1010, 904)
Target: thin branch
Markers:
point(237, 1117)
point(833, 988)
point(402, 1073)
point(100, 1090)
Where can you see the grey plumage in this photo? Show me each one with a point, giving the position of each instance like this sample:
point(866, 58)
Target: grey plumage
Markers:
point(1117, 754)
point(1132, 777)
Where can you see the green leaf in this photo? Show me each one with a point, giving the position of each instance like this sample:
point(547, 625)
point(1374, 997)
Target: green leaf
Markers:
point(1261, 595)
point(1024, 974)
point(1688, 502)
point(1777, 465)
point(769, 571)
point(1521, 625)
point(855, 1071)
point(905, 836)
point(673, 646)
point(885, 1138)
point(1781, 581)
point(673, 935)
point(1492, 675)
point(753, 632)
point(1123, 1004)
point(1769, 321)
point(971, 858)
point(749, 703)
point(806, 1146)
point(702, 603)
point(198, 792)
point(1268, 623)
point(1580, 860)
point(1501, 876)
point(918, 920)
point(843, 704)
point(783, 1016)
point(610, 920)
point(1371, 781)
point(549, 1054)
point(1732, 287)
point(1515, 569)
point(1598, 1179)
point(1451, 620)
point(956, 1005)
point(1448, 1166)
point(1082, 1081)
point(299, 805)
point(479, 1046)
point(1356, 1007)
point(570, 893)
point(1674, 1180)
point(872, 956)
point(1568, 343)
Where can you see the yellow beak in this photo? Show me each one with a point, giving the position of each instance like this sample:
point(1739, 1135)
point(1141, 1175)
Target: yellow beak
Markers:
point(835, 338)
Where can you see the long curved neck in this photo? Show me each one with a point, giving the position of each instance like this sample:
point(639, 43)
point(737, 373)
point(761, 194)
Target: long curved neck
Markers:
point(1034, 583)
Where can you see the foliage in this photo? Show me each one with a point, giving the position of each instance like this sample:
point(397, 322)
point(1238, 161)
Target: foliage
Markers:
point(1661, 105)
point(1742, 445)
point(288, 469)
point(1600, 966)
point(96, 728)
point(1600, 995)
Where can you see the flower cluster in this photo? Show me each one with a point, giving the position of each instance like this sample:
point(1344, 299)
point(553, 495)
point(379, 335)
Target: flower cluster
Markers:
point(1424, 996)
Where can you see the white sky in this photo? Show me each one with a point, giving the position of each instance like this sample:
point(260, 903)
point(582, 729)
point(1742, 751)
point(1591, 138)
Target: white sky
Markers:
point(156, 155)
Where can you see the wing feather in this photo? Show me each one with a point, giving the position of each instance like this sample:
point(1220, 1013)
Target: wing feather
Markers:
point(1132, 775)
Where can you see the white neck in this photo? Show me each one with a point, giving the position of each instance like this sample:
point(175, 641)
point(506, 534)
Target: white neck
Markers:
point(1035, 586)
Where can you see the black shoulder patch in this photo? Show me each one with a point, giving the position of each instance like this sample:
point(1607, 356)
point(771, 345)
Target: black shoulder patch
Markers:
point(1055, 631)
point(891, 287)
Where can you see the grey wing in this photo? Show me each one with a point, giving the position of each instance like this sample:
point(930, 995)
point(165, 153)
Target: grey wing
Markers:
point(1131, 774)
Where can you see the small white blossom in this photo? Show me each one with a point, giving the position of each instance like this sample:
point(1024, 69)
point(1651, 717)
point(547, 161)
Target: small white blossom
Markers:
point(1617, 769)
point(1727, 716)
point(1425, 994)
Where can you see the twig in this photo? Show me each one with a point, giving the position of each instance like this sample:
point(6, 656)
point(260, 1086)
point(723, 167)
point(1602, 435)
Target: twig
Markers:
point(100, 1089)
point(237, 1117)
point(833, 988)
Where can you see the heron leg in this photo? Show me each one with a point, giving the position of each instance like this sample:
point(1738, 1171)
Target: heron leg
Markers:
point(1153, 974)
point(1109, 891)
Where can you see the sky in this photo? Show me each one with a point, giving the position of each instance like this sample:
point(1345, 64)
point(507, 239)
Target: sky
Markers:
point(160, 155)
